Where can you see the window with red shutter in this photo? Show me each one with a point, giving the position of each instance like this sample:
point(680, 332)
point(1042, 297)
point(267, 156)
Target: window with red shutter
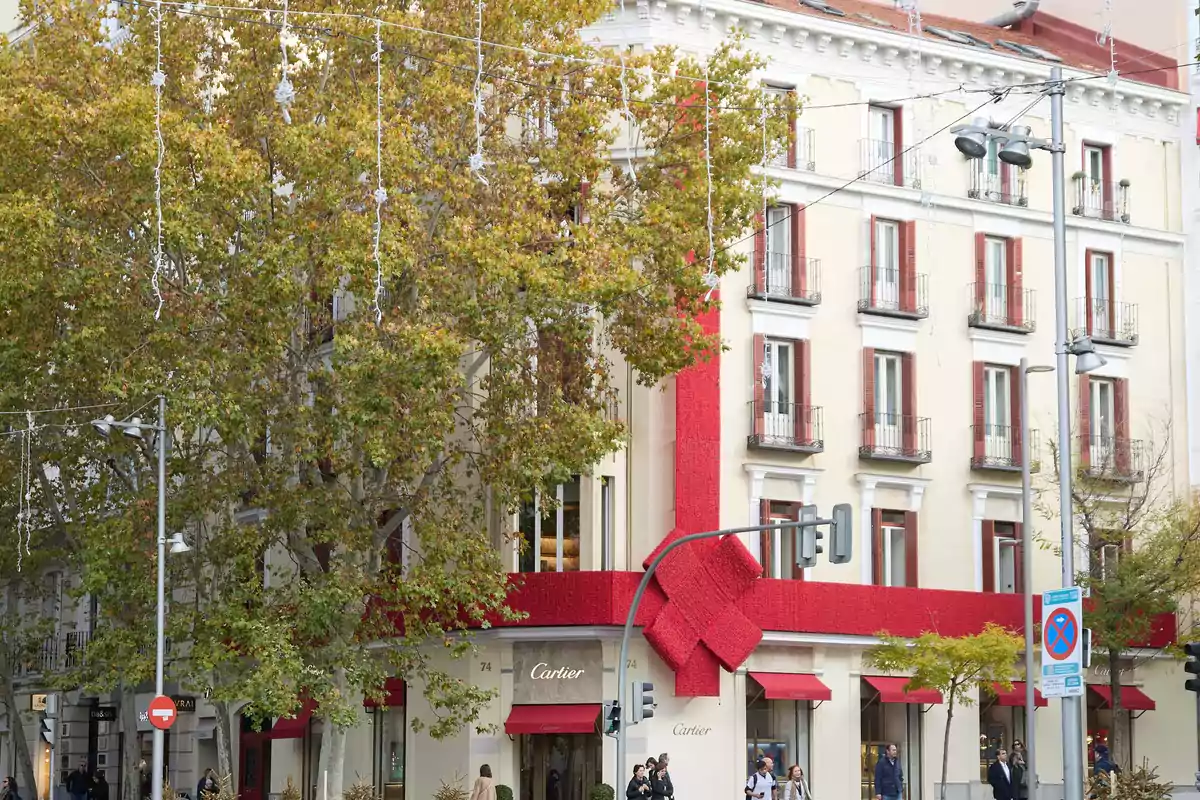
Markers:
point(778, 547)
point(1085, 422)
point(869, 414)
point(894, 547)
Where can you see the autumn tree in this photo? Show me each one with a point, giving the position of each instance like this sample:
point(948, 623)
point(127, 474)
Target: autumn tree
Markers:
point(363, 331)
point(960, 667)
point(1140, 542)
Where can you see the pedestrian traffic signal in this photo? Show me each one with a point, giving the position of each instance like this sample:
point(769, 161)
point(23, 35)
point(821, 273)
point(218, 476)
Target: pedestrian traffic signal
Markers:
point(1192, 666)
point(612, 718)
point(841, 535)
point(49, 728)
point(807, 537)
point(643, 701)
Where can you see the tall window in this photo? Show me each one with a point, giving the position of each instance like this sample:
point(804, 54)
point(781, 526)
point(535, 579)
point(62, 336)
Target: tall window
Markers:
point(894, 550)
point(1100, 294)
point(1106, 549)
point(779, 250)
point(997, 411)
point(882, 143)
point(996, 277)
point(608, 513)
point(551, 537)
point(887, 263)
point(1102, 421)
point(1002, 557)
point(389, 752)
point(778, 548)
point(889, 400)
point(1094, 157)
point(778, 381)
point(780, 95)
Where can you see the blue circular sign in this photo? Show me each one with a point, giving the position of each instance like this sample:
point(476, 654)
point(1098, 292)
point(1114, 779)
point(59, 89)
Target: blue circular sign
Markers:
point(1061, 634)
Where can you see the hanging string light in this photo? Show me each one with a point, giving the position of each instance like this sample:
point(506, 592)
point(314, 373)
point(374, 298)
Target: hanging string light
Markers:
point(158, 79)
point(476, 161)
point(711, 279)
point(380, 192)
point(1104, 36)
point(629, 119)
point(285, 93)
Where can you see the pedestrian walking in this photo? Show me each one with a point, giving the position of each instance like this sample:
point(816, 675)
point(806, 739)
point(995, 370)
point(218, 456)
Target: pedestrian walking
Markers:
point(1000, 778)
point(8, 789)
point(639, 784)
point(660, 780)
point(79, 782)
point(484, 789)
point(761, 785)
point(889, 775)
point(795, 787)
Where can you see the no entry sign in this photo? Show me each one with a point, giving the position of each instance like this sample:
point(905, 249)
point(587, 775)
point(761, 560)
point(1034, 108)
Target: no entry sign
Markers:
point(162, 712)
point(1062, 649)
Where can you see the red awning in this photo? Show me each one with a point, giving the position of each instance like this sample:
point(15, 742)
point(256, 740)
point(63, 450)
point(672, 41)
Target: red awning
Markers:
point(553, 719)
point(1016, 695)
point(792, 686)
point(891, 690)
point(393, 695)
point(1132, 698)
point(293, 727)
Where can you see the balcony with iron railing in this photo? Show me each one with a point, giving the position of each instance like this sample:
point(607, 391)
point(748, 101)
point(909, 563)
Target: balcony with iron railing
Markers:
point(787, 280)
point(1106, 321)
point(1001, 307)
point(805, 155)
point(892, 293)
point(1007, 188)
point(789, 427)
point(1101, 199)
point(888, 162)
point(1111, 458)
point(895, 437)
point(998, 447)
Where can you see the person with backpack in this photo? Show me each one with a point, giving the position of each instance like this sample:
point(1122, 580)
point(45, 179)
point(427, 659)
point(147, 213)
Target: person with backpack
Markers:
point(761, 785)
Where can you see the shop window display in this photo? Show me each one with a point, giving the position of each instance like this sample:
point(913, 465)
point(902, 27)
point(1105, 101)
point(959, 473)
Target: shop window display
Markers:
point(390, 725)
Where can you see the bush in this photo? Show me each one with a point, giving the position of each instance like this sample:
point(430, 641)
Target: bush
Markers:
point(601, 791)
point(452, 791)
point(503, 792)
point(1139, 783)
point(360, 790)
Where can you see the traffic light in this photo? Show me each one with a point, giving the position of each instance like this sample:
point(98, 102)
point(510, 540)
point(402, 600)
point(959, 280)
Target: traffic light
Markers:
point(842, 535)
point(643, 701)
point(1192, 666)
point(49, 728)
point(612, 718)
point(807, 537)
point(1087, 647)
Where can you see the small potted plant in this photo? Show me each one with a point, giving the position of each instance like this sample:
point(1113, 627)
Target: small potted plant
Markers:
point(601, 791)
point(503, 792)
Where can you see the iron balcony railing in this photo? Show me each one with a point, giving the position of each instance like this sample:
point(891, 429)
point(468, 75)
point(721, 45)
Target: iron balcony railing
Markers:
point(805, 156)
point(1101, 199)
point(782, 279)
point(890, 293)
point(1111, 458)
point(1107, 321)
point(1002, 307)
point(786, 426)
point(1008, 187)
point(895, 437)
point(999, 447)
point(888, 162)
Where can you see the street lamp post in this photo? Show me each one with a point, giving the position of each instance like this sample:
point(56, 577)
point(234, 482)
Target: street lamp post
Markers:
point(971, 140)
point(133, 429)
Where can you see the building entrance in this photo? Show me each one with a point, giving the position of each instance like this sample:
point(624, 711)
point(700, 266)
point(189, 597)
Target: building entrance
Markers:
point(559, 766)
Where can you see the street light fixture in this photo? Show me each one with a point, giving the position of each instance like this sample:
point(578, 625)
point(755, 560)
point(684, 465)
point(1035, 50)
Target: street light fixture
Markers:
point(1016, 144)
point(133, 429)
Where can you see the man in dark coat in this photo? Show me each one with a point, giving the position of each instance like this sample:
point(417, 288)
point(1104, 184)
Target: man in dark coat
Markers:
point(889, 775)
point(1000, 776)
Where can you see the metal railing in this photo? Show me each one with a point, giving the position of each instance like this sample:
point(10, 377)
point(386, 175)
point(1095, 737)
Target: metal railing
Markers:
point(806, 152)
point(1008, 187)
point(783, 280)
point(895, 437)
point(999, 447)
point(1111, 458)
point(1107, 321)
point(998, 305)
point(786, 426)
point(887, 162)
point(880, 292)
point(1101, 199)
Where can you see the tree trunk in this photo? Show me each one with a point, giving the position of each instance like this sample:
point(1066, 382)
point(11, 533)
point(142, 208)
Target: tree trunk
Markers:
point(26, 782)
point(331, 763)
point(1115, 742)
point(131, 751)
point(946, 742)
point(224, 749)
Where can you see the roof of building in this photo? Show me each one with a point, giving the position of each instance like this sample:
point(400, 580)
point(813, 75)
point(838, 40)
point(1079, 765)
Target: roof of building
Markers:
point(1043, 38)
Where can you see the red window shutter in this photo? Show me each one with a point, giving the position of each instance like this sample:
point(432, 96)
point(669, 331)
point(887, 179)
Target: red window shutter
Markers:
point(766, 539)
point(877, 546)
point(1015, 267)
point(874, 265)
point(1014, 412)
point(802, 369)
point(760, 252)
point(898, 145)
point(1007, 191)
point(908, 422)
point(1019, 557)
point(1087, 288)
point(794, 515)
point(1110, 314)
point(791, 151)
point(799, 267)
point(980, 272)
point(988, 534)
point(1121, 424)
point(868, 397)
point(1085, 422)
point(585, 189)
point(1107, 188)
point(911, 558)
point(977, 373)
point(760, 410)
point(908, 266)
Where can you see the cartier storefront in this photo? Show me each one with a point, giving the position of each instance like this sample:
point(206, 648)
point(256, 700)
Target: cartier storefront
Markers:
point(557, 695)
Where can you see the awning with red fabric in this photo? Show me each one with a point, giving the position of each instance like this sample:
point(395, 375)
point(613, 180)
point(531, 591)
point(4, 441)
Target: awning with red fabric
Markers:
point(1016, 695)
point(792, 686)
point(553, 719)
point(393, 695)
point(293, 727)
point(1132, 698)
point(891, 690)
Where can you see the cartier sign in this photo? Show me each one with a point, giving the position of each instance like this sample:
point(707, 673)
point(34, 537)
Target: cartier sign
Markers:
point(557, 672)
